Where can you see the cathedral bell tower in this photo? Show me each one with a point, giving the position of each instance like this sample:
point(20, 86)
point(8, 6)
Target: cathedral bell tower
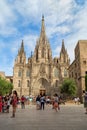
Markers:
point(42, 51)
point(64, 61)
point(21, 57)
point(63, 54)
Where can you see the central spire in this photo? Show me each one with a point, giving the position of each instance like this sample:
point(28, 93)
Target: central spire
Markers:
point(42, 27)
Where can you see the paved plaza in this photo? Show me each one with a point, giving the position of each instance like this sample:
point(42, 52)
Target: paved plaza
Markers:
point(70, 117)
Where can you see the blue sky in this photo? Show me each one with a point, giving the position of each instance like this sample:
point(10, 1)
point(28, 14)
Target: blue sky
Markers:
point(21, 19)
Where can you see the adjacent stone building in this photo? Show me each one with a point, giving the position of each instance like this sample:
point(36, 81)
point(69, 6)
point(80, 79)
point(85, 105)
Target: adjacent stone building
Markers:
point(42, 74)
point(9, 78)
point(2, 74)
point(78, 68)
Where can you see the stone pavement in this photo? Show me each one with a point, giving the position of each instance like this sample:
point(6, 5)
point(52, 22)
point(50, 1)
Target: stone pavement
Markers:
point(70, 117)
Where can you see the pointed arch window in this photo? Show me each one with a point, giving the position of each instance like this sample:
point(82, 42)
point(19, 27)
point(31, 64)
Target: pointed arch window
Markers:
point(19, 73)
point(42, 52)
point(28, 83)
point(56, 83)
point(37, 54)
point(65, 73)
point(20, 59)
point(19, 83)
point(56, 73)
point(28, 73)
point(48, 54)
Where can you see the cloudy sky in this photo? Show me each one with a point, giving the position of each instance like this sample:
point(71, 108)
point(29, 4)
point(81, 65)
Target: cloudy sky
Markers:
point(21, 19)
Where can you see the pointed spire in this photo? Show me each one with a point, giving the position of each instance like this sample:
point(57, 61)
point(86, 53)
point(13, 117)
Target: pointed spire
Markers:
point(43, 27)
point(22, 48)
point(63, 47)
point(31, 54)
point(22, 45)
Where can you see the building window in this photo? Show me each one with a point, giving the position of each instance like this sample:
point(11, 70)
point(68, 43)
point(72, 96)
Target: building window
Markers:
point(65, 73)
point(76, 75)
point(28, 83)
point(75, 64)
point(72, 74)
point(84, 62)
point(42, 52)
point(19, 83)
point(56, 83)
point(48, 54)
point(20, 59)
point(27, 73)
point(19, 73)
point(56, 73)
point(85, 72)
point(37, 55)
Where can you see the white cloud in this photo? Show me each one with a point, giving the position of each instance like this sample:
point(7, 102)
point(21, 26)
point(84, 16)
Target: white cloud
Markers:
point(7, 18)
point(63, 18)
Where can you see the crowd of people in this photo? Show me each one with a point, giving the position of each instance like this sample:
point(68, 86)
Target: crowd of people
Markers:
point(13, 100)
point(41, 100)
point(8, 100)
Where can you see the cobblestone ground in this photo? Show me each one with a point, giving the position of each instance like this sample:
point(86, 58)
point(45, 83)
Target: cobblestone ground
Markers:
point(70, 117)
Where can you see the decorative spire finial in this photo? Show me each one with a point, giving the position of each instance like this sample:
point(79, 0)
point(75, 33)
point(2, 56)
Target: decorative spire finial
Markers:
point(21, 48)
point(42, 17)
point(22, 44)
point(31, 54)
point(63, 47)
point(43, 35)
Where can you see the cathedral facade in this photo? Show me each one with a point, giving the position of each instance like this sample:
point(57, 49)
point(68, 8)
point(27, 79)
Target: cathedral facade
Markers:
point(42, 74)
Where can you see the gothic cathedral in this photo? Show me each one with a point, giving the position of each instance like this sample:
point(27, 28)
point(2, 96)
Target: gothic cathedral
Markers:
point(42, 74)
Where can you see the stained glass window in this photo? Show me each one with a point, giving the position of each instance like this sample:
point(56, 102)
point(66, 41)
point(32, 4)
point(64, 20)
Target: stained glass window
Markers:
point(27, 83)
point(65, 73)
point(56, 72)
point(19, 73)
point(27, 73)
point(19, 83)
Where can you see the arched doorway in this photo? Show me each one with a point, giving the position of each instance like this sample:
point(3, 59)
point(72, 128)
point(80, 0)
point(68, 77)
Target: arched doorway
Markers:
point(42, 86)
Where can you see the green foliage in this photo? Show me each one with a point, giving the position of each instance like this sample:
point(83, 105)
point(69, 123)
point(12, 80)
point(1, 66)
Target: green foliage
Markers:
point(5, 86)
point(68, 87)
point(86, 82)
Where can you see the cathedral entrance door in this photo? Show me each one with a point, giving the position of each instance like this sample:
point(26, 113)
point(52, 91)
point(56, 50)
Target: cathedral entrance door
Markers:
point(42, 86)
point(43, 92)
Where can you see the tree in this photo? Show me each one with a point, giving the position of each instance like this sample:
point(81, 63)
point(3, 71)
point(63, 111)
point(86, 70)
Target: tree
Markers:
point(5, 86)
point(69, 87)
point(86, 82)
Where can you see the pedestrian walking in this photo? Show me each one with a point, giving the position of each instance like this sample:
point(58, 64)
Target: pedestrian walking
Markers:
point(42, 100)
point(85, 102)
point(38, 104)
point(14, 103)
point(56, 105)
point(0, 103)
point(23, 102)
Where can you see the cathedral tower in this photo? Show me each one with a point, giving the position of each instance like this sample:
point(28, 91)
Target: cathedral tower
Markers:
point(64, 61)
point(19, 70)
point(21, 57)
point(42, 51)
